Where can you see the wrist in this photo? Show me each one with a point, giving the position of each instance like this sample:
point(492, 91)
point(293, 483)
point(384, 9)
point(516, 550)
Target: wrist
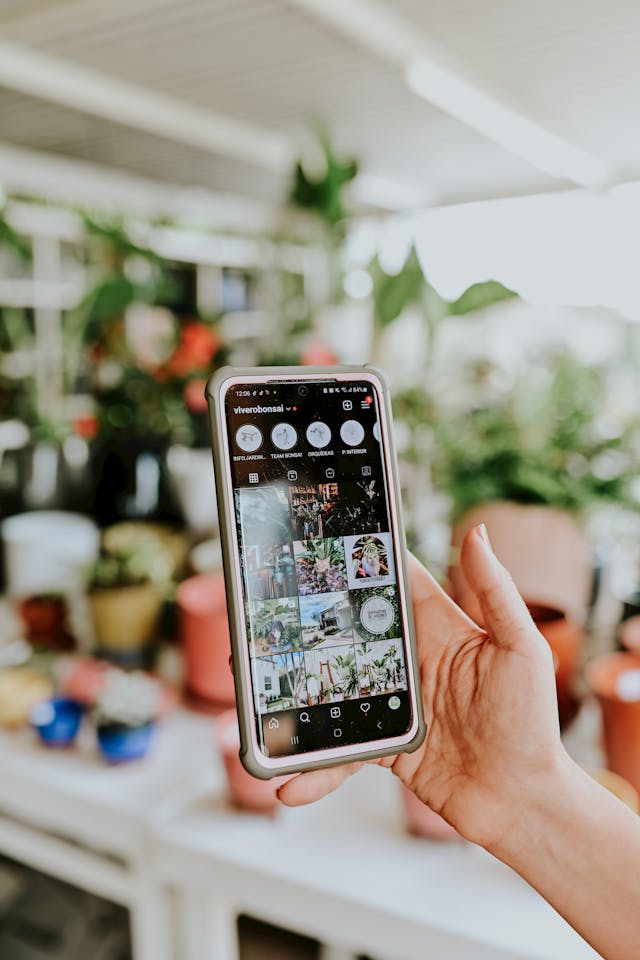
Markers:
point(546, 803)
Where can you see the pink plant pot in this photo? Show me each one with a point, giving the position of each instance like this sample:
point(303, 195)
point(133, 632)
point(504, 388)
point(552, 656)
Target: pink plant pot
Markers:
point(245, 792)
point(620, 712)
point(204, 636)
point(422, 821)
point(84, 679)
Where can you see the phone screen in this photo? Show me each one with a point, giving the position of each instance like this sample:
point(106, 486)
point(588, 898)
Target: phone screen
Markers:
point(322, 607)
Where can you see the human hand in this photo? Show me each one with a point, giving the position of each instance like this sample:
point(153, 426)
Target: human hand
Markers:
point(490, 704)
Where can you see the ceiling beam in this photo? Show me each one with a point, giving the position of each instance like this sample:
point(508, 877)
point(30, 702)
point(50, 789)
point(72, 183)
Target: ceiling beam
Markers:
point(91, 91)
point(62, 180)
point(58, 80)
point(432, 74)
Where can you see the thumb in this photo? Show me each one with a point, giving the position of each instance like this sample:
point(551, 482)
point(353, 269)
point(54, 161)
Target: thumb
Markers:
point(504, 612)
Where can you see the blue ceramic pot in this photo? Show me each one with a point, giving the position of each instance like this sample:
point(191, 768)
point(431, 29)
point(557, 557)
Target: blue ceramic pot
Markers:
point(120, 743)
point(57, 721)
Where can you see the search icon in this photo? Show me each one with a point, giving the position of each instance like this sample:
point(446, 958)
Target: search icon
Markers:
point(305, 718)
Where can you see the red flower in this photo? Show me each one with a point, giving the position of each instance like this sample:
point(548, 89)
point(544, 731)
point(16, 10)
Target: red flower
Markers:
point(86, 426)
point(317, 355)
point(198, 345)
point(194, 397)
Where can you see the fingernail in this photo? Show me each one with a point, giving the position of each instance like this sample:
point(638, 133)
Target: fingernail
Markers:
point(482, 533)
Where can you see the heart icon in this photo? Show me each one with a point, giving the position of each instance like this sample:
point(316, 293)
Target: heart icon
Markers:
point(365, 707)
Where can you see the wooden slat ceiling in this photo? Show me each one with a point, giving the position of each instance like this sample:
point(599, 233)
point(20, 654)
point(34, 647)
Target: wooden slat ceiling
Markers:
point(267, 62)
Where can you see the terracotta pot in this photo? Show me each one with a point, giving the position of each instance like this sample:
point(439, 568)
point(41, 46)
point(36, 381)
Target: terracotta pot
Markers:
point(45, 622)
point(564, 636)
point(544, 550)
point(630, 633)
point(615, 679)
point(629, 626)
point(245, 792)
point(125, 620)
point(422, 821)
point(204, 635)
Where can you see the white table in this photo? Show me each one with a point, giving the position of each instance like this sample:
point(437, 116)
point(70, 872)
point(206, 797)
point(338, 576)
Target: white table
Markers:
point(69, 815)
point(344, 871)
point(158, 838)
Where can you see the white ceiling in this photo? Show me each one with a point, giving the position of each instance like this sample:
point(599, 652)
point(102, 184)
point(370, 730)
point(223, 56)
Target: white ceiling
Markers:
point(569, 65)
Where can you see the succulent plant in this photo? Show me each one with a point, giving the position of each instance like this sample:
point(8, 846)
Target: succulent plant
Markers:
point(130, 699)
point(146, 562)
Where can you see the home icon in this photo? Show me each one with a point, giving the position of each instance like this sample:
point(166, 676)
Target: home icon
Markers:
point(273, 724)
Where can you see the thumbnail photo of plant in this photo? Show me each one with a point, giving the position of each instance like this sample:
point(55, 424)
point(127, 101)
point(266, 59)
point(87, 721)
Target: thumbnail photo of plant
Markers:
point(320, 565)
point(263, 515)
point(310, 506)
point(369, 560)
point(275, 626)
point(376, 613)
point(269, 571)
point(280, 682)
point(359, 505)
point(380, 667)
point(332, 674)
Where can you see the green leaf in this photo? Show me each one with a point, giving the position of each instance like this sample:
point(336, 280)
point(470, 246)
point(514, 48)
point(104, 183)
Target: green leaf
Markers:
point(9, 238)
point(478, 296)
point(324, 194)
point(112, 297)
point(393, 294)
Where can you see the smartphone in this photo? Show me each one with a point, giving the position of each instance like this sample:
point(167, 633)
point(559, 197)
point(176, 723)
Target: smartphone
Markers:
point(314, 556)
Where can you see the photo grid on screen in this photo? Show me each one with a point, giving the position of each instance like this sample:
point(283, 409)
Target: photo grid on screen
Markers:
point(322, 603)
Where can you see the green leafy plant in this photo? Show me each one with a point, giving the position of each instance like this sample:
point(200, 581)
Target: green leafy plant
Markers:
point(395, 293)
point(324, 194)
point(538, 443)
point(146, 562)
point(347, 670)
point(12, 241)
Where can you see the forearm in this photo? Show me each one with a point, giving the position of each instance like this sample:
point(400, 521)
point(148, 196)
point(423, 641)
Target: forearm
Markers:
point(580, 848)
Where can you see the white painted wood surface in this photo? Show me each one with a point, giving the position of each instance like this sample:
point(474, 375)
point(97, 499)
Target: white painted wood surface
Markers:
point(345, 872)
point(69, 815)
point(159, 838)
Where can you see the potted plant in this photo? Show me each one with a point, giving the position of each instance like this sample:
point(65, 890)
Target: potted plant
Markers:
point(125, 715)
point(127, 588)
point(57, 721)
point(615, 679)
point(347, 670)
point(371, 558)
point(530, 463)
point(45, 621)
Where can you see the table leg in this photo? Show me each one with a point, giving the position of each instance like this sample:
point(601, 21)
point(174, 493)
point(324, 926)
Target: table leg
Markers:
point(328, 952)
point(208, 928)
point(152, 935)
